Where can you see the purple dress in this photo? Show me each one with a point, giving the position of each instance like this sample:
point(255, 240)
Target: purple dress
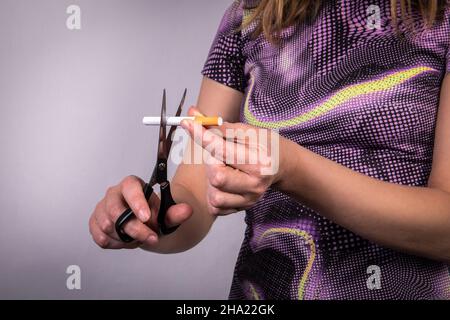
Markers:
point(356, 93)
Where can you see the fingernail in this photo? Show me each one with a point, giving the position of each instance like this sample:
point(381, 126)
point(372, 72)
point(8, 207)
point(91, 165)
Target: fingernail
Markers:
point(143, 215)
point(185, 124)
point(152, 239)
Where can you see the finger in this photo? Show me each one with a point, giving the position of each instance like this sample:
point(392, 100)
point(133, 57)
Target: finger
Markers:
point(213, 142)
point(178, 214)
point(252, 146)
point(226, 201)
point(228, 127)
point(140, 232)
point(194, 112)
point(154, 204)
point(220, 212)
point(175, 215)
point(103, 218)
point(133, 193)
point(106, 242)
point(209, 140)
point(134, 228)
point(228, 179)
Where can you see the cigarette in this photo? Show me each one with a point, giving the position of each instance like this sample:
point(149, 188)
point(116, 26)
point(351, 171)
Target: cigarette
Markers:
point(176, 121)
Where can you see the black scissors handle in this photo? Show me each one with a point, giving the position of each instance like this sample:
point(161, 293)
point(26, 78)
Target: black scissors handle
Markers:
point(166, 202)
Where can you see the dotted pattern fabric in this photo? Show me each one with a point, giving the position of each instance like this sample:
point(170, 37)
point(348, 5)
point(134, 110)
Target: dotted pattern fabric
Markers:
point(364, 98)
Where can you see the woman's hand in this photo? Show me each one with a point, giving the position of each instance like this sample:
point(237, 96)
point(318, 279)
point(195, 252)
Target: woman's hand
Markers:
point(241, 163)
point(129, 193)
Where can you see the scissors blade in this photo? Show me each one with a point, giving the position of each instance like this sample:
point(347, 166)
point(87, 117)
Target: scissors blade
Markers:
point(165, 142)
point(173, 128)
point(162, 147)
point(180, 107)
point(160, 170)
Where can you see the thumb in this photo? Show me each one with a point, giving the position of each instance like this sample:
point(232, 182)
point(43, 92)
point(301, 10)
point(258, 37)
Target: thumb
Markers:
point(175, 215)
point(178, 214)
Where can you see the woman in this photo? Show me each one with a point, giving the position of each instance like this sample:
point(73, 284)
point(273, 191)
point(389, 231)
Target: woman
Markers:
point(360, 205)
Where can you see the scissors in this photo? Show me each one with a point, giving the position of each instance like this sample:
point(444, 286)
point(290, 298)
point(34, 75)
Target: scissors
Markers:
point(159, 176)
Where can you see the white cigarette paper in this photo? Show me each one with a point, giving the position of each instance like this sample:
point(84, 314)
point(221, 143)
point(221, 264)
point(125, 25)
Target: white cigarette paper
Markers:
point(176, 121)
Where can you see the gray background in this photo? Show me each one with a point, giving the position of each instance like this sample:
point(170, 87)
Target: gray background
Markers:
point(71, 103)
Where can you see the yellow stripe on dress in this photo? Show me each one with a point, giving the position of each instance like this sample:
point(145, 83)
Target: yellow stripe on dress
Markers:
point(344, 95)
point(309, 239)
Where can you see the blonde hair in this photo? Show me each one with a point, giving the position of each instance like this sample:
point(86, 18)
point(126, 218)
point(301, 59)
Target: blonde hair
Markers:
point(272, 16)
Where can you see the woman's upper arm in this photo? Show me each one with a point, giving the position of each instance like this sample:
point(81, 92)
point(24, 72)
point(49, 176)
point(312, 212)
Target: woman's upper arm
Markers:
point(221, 94)
point(216, 99)
point(440, 174)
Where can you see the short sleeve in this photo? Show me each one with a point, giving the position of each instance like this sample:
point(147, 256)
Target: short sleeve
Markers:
point(448, 61)
point(225, 62)
point(447, 18)
point(447, 57)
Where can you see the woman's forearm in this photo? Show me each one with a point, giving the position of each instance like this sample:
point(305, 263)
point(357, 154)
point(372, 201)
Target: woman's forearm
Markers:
point(190, 233)
point(412, 219)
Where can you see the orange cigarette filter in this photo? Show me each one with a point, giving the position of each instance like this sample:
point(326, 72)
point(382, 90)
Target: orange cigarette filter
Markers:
point(209, 121)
